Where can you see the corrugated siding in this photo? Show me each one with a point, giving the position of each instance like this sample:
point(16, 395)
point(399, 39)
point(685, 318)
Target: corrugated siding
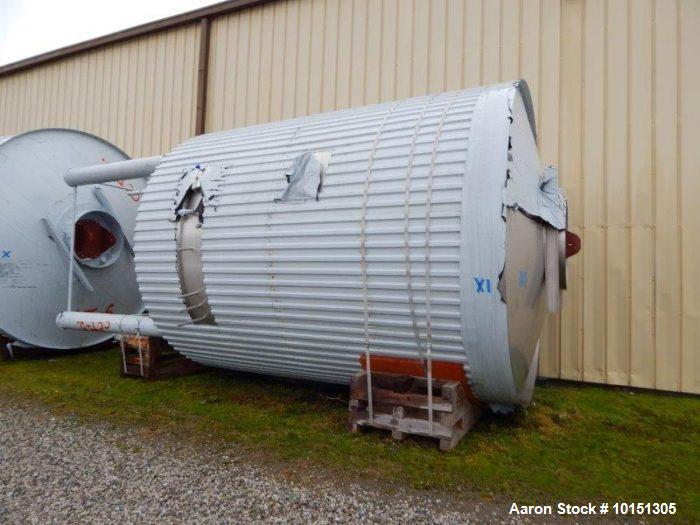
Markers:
point(614, 84)
point(286, 282)
point(139, 94)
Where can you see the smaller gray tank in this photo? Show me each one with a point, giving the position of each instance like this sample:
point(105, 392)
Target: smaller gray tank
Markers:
point(36, 225)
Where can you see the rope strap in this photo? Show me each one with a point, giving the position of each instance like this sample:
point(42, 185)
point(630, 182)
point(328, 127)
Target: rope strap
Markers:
point(428, 222)
point(363, 256)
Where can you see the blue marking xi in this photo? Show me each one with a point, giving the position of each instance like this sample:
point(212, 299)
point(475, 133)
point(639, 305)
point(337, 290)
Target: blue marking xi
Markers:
point(522, 279)
point(482, 284)
point(6, 254)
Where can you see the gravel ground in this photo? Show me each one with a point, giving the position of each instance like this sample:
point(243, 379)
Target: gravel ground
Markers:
point(55, 470)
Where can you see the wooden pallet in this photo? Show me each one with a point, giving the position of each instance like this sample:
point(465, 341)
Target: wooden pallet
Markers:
point(160, 360)
point(400, 405)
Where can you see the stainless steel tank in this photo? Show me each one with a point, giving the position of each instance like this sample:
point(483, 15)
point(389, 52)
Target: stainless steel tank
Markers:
point(420, 228)
point(36, 225)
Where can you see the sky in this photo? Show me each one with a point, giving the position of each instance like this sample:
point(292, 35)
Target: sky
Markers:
point(31, 27)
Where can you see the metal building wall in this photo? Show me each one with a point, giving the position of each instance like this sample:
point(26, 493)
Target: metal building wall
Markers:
point(137, 94)
point(614, 84)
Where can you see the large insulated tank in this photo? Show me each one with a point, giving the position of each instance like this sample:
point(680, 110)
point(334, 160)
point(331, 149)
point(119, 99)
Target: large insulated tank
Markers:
point(36, 225)
point(423, 228)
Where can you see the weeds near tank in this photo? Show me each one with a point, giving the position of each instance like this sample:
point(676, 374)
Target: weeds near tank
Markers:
point(576, 444)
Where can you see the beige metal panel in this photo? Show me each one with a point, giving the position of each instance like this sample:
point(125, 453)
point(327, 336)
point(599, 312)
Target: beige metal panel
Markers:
point(618, 272)
point(667, 193)
point(301, 86)
point(454, 35)
point(472, 65)
point(403, 72)
point(254, 95)
point(267, 22)
point(245, 69)
point(331, 24)
point(511, 38)
point(490, 42)
point(373, 59)
point(221, 60)
point(137, 94)
point(593, 164)
point(689, 184)
point(570, 161)
point(437, 48)
point(420, 47)
point(642, 343)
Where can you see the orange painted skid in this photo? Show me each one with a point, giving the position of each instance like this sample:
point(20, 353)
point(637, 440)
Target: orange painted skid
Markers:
point(445, 370)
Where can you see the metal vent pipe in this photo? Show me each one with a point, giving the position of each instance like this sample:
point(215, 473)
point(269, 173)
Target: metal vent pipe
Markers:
point(113, 171)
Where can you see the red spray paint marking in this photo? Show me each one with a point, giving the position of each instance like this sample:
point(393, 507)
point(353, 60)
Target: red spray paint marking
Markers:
point(95, 326)
point(129, 187)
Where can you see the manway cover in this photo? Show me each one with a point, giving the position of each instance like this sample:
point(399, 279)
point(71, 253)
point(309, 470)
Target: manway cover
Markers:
point(36, 214)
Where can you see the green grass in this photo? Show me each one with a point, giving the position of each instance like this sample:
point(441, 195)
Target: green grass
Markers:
point(576, 444)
